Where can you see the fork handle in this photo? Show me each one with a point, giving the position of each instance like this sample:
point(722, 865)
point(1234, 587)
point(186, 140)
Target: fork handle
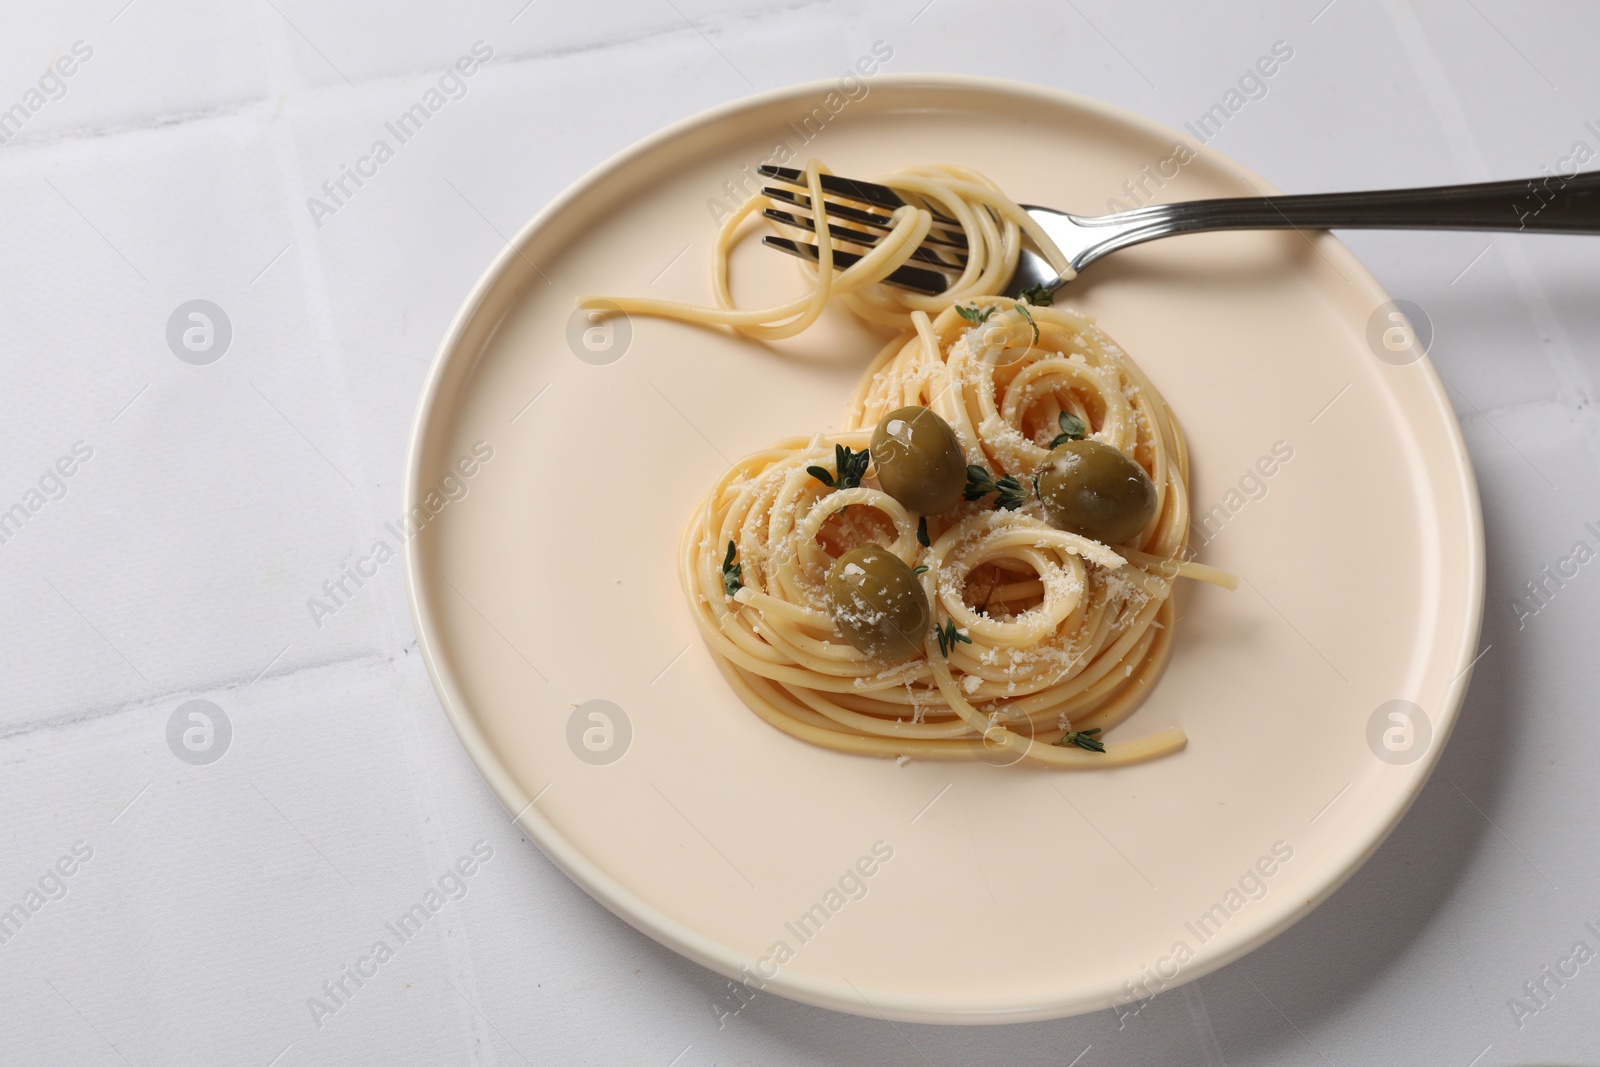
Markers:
point(1547, 204)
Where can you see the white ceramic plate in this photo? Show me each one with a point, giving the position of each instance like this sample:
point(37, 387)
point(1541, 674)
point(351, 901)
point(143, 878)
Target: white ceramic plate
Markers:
point(546, 580)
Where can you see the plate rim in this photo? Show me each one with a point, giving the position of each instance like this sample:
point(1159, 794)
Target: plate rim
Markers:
point(706, 951)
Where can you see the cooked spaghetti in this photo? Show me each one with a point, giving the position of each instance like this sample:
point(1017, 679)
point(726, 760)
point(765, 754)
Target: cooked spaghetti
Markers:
point(991, 224)
point(1015, 636)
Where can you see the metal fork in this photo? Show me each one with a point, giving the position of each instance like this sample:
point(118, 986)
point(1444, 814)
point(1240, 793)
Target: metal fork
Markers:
point(859, 215)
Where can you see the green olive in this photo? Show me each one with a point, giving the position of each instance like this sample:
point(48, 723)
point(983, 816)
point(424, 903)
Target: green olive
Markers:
point(1092, 489)
point(919, 460)
point(877, 603)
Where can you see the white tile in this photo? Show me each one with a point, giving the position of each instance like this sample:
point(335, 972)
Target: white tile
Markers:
point(120, 65)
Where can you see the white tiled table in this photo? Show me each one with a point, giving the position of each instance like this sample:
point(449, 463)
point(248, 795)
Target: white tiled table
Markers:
point(175, 562)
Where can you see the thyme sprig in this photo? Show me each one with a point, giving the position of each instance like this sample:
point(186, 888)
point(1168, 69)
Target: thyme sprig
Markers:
point(949, 637)
point(1084, 739)
point(849, 467)
point(1011, 494)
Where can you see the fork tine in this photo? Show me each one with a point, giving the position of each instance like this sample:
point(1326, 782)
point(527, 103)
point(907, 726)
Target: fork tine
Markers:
point(937, 236)
point(867, 240)
point(914, 278)
point(842, 233)
point(866, 192)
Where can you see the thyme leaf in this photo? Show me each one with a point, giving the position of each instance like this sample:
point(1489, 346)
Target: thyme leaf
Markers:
point(1022, 306)
point(732, 573)
point(1072, 429)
